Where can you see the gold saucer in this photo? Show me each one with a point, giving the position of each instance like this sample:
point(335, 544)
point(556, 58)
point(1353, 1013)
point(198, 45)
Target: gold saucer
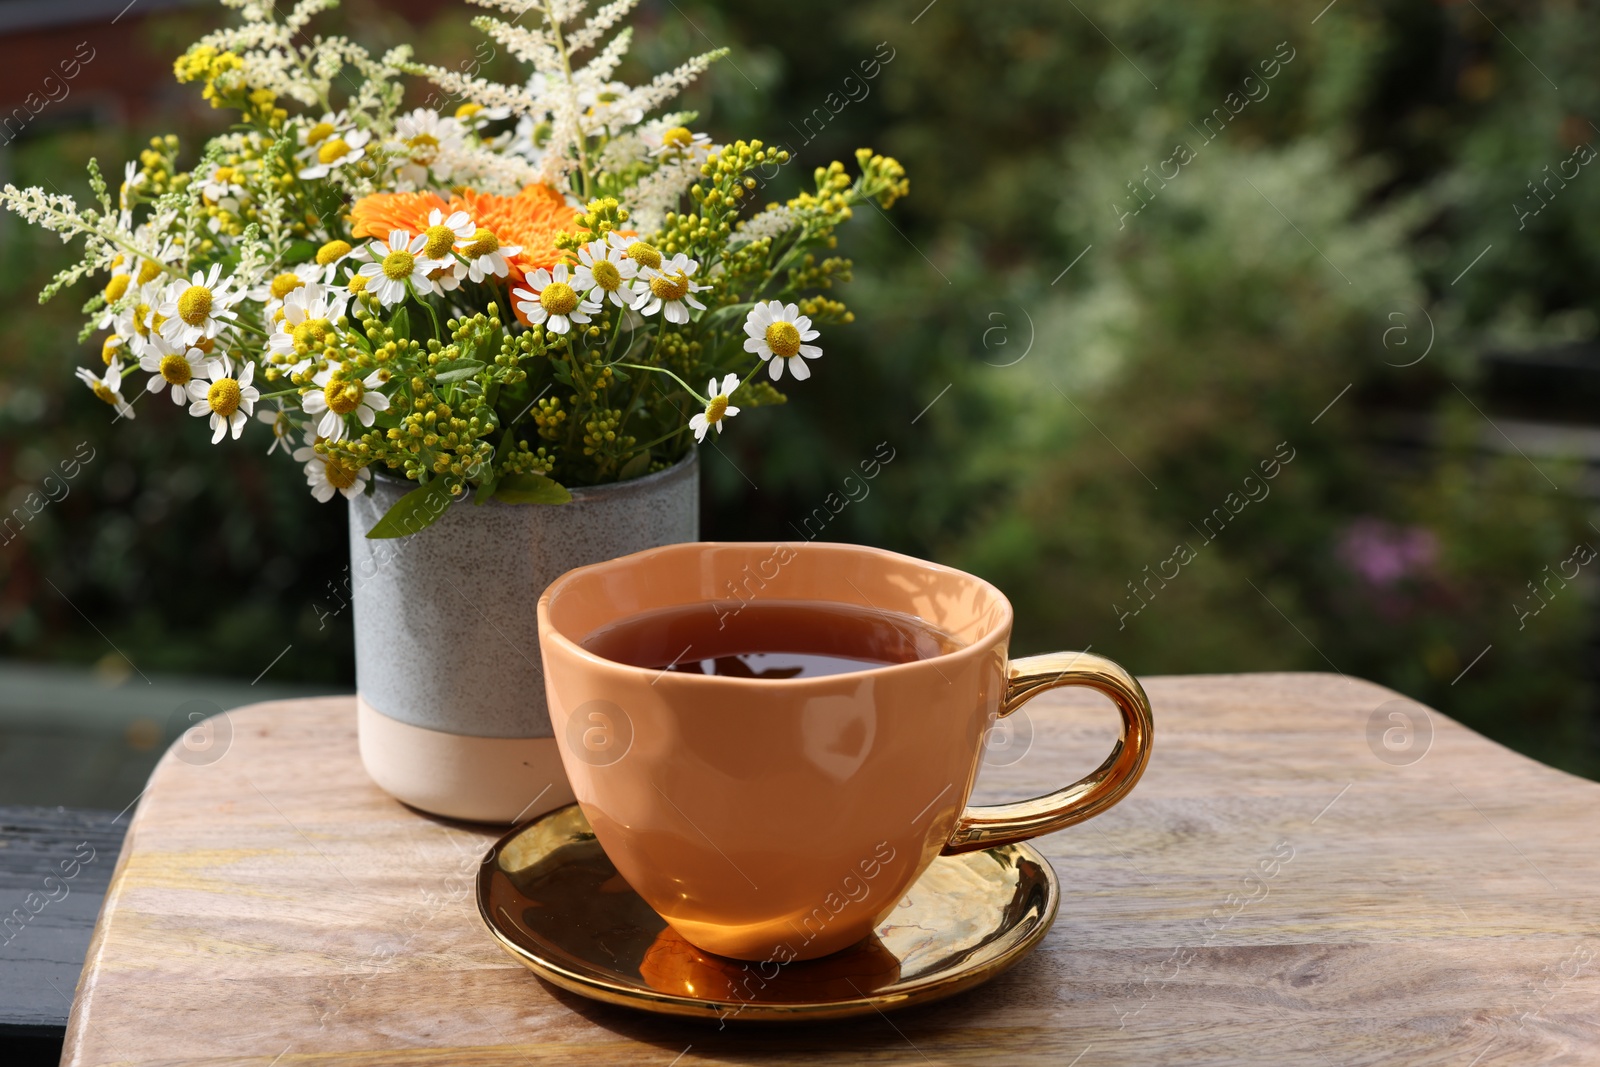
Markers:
point(556, 904)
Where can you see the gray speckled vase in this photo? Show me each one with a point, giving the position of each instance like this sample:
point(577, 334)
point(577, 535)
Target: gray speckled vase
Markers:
point(450, 686)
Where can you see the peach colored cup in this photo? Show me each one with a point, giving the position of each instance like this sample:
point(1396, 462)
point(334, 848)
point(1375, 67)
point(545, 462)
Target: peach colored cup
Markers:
point(778, 820)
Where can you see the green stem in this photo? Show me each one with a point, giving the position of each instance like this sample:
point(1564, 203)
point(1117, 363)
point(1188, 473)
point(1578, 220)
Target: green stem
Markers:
point(572, 93)
point(664, 437)
point(437, 333)
point(692, 391)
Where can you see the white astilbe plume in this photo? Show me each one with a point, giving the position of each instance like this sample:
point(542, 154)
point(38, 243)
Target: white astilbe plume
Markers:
point(588, 35)
point(603, 65)
point(555, 92)
point(280, 57)
point(774, 222)
point(104, 230)
point(531, 46)
point(651, 197)
point(492, 172)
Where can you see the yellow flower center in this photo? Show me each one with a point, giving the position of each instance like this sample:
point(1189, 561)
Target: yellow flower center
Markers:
point(205, 344)
point(424, 146)
point(466, 111)
point(483, 242)
point(357, 283)
point(339, 476)
point(783, 339)
point(677, 137)
point(223, 175)
point(319, 133)
point(717, 408)
point(558, 298)
point(148, 272)
point(284, 284)
point(397, 266)
point(311, 334)
point(675, 287)
point(141, 324)
point(175, 369)
point(104, 392)
point(332, 151)
point(606, 275)
point(109, 348)
point(343, 395)
point(194, 306)
point(441, 239)
point(223, 396)
point(644, 254)
point(117, 287)
point(332, 251)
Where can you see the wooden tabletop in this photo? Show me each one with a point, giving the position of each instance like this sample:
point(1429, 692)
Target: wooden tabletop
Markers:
point(1307, 874)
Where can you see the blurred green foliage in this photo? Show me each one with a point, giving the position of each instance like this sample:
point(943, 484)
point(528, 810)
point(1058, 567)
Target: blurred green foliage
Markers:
point(1056, 430)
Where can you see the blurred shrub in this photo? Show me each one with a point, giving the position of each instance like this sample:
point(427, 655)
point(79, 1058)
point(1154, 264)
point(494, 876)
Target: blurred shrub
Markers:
point(1083, 422)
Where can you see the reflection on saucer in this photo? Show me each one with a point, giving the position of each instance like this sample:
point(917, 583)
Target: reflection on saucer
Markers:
point(555, 902)
point(672, 965)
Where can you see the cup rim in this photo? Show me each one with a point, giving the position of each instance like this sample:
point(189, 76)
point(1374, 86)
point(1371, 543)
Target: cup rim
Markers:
point(981, 646)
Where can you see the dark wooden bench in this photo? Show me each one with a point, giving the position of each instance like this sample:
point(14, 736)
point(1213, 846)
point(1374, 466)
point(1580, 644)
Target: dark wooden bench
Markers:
point(55, 864)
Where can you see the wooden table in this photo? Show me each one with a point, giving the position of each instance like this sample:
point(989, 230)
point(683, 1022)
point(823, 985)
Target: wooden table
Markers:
point(1286, 886)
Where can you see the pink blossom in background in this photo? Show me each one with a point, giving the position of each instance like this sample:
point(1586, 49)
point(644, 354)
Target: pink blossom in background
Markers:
point(1382, 553)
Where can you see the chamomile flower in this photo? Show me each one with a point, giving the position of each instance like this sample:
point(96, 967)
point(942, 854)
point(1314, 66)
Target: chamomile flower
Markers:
point(717, 408)
point(426, 143)
point(551, 300)
point(108, 387)
point(777, 332)
point(197, 309)
point(396, 265)
point(676, 141)
point(173, 367)
point(112, 349)
point(474, 116)
point(443, 234)
point(327, 475)
point(271, 293)
point(138, 321)
point(222, 187)
point(604, 272)
point(641, 253)
point(670, 289)
point(613, 106)
point(340, 396)
point(227, 397)
point(282, 428)
point(486, 256)
point(331, 143)
point(309, 317)
point(335, 253)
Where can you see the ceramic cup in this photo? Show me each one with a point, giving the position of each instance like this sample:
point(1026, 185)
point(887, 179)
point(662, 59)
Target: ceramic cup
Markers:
point(778, 820)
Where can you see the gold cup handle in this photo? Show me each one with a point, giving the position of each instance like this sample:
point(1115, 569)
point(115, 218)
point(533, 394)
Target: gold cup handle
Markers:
point(1000, 824)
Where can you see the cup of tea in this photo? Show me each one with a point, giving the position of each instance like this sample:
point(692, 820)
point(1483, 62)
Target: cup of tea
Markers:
point(772, 742)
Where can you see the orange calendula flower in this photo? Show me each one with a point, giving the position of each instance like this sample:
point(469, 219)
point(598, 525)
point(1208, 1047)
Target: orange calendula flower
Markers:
point(376, 215)
point(532, 219)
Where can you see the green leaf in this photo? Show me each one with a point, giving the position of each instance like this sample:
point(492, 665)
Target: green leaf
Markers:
point(635, 467)
point(415, 511)
point(530, 489)
point(456, 370)
point(400, 323)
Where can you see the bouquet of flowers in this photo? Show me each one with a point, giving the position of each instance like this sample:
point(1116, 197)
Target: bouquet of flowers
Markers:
point(514, 297)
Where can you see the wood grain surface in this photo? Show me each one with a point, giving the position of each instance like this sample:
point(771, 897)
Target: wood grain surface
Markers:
point(1299, 879)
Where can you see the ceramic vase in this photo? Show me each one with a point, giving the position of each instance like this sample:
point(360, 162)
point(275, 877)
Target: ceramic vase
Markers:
point(450, 690)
